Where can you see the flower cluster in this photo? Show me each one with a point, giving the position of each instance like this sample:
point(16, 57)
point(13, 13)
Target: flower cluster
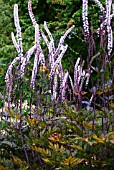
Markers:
point(18, 46)
point(79, 77)
point(55, 55)
point(107, 23)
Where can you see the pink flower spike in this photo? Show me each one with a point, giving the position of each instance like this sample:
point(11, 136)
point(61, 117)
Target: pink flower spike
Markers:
point(31, 13)
point(63, 86)
point(85, 18)
point(100, 5)
point(18, 29)
point(57, 61)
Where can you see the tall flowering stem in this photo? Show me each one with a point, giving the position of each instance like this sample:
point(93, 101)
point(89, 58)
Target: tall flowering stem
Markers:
point(18, 46)
point(37, 32)
point(109, 29)
point(18, 29)
point(85, 18)
point(9, 79)
point(31, 13)
point(107, 23)
point(50, 44)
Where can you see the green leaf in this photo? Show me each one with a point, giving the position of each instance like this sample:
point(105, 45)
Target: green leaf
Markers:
point(77, 147)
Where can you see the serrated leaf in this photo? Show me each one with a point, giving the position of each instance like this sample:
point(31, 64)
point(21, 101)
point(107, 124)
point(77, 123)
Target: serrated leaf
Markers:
point(62, 149)
point(55, 137)
point(89, 125)
point(51, 145)
point(99, 140)
point(46, 160)
point(56, 146)
point(10, 112)
point(40, 150)
point(32, 120)
point(71, 160)
point(77, 147)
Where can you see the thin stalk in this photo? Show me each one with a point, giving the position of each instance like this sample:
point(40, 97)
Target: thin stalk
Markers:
point(89, 151)
point(94, 109)
point(31, 103)
point(113, 159)
point(20, 126)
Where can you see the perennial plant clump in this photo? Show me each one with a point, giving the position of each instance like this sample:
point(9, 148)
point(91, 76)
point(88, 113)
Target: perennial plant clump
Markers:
point(52, 119)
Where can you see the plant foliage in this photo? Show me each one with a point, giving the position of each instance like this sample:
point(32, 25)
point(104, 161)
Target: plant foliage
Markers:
point(52, 117)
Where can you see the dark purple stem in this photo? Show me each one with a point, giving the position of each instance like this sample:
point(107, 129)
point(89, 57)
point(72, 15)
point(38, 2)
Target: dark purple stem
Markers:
point(21, 135)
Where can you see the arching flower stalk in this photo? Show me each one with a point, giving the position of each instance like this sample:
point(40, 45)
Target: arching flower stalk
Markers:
point(100, 5)
point(52, 46)
point(37, 53)
point(60, 45)
point(37, 33)
point(85, 19)
point(18, 46)
point(39, 56)
point(9, 76)
point(18, 29)
point(14, 42)
point(9, 79)
point(26, 59)
point(103, 15)
point(31, 13)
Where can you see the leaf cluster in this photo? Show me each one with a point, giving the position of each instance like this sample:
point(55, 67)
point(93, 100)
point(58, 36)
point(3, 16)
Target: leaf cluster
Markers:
point(57, 138)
